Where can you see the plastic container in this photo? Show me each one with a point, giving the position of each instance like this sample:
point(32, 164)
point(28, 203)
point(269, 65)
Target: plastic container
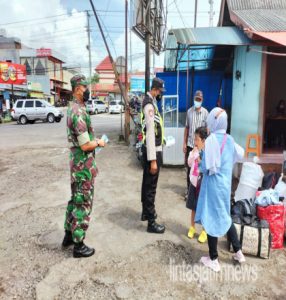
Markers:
point(105, 139)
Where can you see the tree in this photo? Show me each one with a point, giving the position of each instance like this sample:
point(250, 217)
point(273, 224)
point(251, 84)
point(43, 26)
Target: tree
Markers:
point(95, 78)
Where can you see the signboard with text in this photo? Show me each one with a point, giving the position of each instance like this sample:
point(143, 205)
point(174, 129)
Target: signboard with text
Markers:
point(43, 52)
point(12, 73)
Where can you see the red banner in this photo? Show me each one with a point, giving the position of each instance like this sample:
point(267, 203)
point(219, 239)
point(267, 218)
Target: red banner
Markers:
point(12, 73)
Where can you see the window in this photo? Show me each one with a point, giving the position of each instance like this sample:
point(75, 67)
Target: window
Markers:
point(39, 104)
point(113, 103)
point(28, 67)
point(29, 104)
point(19, 104)
point(40, 70)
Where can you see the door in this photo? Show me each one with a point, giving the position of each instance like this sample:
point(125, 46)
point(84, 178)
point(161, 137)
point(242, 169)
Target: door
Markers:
point(40, 110)
point(101, 106)
point(18, 108)
point(170, 108)
point(29, 109)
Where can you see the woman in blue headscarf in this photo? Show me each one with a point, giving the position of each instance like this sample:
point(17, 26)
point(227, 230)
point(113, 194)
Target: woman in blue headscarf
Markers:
point(213, 210)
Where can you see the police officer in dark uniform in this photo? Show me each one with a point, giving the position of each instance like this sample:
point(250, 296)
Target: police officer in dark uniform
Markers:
point(153, 137)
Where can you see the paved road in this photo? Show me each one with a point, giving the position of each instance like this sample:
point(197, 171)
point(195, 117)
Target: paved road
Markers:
point(41, 134)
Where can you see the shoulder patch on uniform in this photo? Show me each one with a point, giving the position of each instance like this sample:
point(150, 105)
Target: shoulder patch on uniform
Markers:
point(151, 112)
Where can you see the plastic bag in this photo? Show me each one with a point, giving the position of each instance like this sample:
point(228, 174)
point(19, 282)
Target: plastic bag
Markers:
point(275, 215)
point(249, 182)
point(267, 197)
point(281, 188)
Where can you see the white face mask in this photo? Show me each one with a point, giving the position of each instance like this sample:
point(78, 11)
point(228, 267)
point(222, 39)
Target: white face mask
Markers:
point(197, 104)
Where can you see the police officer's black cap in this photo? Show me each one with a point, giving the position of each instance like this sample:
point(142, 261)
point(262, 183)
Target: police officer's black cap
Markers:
point(158, 83)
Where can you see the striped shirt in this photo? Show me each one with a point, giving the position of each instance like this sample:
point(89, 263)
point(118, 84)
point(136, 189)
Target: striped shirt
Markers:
point(194, 120)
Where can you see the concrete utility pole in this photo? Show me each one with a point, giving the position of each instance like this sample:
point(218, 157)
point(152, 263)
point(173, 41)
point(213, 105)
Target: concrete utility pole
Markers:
point(117, 77)
point(211, 12)
point(127, 108)
point(89, 52)
point(196, 13)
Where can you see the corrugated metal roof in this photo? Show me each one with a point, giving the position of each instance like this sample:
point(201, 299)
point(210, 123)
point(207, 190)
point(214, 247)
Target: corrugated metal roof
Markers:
point(256, 4)
point(211, 36)
point(276, 37)
point(259, 15)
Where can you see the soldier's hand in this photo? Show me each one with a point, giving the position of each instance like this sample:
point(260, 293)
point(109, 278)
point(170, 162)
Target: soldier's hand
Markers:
point(154, 167)
point(101, 143)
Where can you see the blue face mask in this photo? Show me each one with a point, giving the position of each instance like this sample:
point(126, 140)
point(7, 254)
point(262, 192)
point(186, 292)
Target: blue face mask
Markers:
point(197, 104)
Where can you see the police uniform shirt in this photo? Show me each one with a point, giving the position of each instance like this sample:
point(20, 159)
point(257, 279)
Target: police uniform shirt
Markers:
point(149, 114)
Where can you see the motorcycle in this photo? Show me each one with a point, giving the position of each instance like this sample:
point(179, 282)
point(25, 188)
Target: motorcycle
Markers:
point(138, 142)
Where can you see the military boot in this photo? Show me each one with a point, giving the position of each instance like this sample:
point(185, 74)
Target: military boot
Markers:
point(154, 227)
point(67, 241)
point(81, 250)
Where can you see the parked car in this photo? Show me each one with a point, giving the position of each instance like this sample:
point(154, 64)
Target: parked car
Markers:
point(96, 106)
point(116, 106)
point(30, 110)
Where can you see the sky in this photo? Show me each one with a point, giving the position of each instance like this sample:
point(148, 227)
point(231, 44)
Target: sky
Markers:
point(61, 25)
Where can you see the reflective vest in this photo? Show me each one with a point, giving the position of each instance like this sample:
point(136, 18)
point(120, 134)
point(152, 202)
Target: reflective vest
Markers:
point(158, 122)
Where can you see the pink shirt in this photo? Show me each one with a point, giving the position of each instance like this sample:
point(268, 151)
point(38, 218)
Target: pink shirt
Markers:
point(194, 165)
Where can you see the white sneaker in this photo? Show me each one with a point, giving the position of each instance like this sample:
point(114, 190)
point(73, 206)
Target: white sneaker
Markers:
point(239, 257)
point(212, 264)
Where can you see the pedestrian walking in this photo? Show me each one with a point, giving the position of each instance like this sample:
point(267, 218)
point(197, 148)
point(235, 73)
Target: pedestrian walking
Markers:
point(83, 169)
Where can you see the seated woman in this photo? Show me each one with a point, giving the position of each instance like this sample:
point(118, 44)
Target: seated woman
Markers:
point(213, 210)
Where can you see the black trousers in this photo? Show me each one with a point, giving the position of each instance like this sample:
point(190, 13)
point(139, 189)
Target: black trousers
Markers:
point(149, 186)
point(189, 149)
point(232, 236)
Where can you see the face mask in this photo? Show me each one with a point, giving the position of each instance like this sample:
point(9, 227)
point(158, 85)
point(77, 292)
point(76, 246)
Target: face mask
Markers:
point(86, 95)
point(197, 104)
point(159, 98)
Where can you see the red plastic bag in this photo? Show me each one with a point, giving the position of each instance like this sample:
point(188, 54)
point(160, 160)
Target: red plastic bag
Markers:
point(274, 214)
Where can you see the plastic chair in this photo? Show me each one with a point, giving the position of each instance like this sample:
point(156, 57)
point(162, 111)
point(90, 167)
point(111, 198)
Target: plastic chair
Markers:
point(255, 149)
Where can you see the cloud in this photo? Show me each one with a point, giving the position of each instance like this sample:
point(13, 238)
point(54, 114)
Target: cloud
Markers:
point(65, 33)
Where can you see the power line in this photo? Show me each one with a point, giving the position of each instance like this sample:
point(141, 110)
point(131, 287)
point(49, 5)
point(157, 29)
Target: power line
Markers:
point(61, 15)
point(175, 1)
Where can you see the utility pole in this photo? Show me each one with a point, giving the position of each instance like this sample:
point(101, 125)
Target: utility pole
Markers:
point(147, 47)
point(211, 12)
point(196, 13)
point(127, 108)
point(89, 52)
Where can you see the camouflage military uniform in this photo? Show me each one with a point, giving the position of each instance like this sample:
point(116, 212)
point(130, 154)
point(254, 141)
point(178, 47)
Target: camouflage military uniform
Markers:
point(83, 171)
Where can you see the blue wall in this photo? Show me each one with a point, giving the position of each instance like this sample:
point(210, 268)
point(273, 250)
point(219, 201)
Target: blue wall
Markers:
point(246, 93)
point(208, 81)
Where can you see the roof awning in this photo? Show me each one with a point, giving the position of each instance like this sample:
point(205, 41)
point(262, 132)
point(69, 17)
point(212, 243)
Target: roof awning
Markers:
point(276, 37)
point(211, 36)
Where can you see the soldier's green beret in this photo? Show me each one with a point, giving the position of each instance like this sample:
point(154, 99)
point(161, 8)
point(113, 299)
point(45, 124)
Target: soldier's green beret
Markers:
point(78, 79)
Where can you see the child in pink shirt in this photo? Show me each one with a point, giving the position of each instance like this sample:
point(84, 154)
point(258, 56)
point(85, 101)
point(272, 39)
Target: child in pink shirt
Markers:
point(195, 178)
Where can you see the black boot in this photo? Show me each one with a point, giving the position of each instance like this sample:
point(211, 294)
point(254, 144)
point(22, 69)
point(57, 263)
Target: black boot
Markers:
point(145, 218)
point(154, 227)
point(67, 241)
point(81, 250)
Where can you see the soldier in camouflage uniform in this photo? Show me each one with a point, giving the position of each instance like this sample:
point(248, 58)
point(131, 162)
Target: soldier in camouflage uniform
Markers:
point(82, 143)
